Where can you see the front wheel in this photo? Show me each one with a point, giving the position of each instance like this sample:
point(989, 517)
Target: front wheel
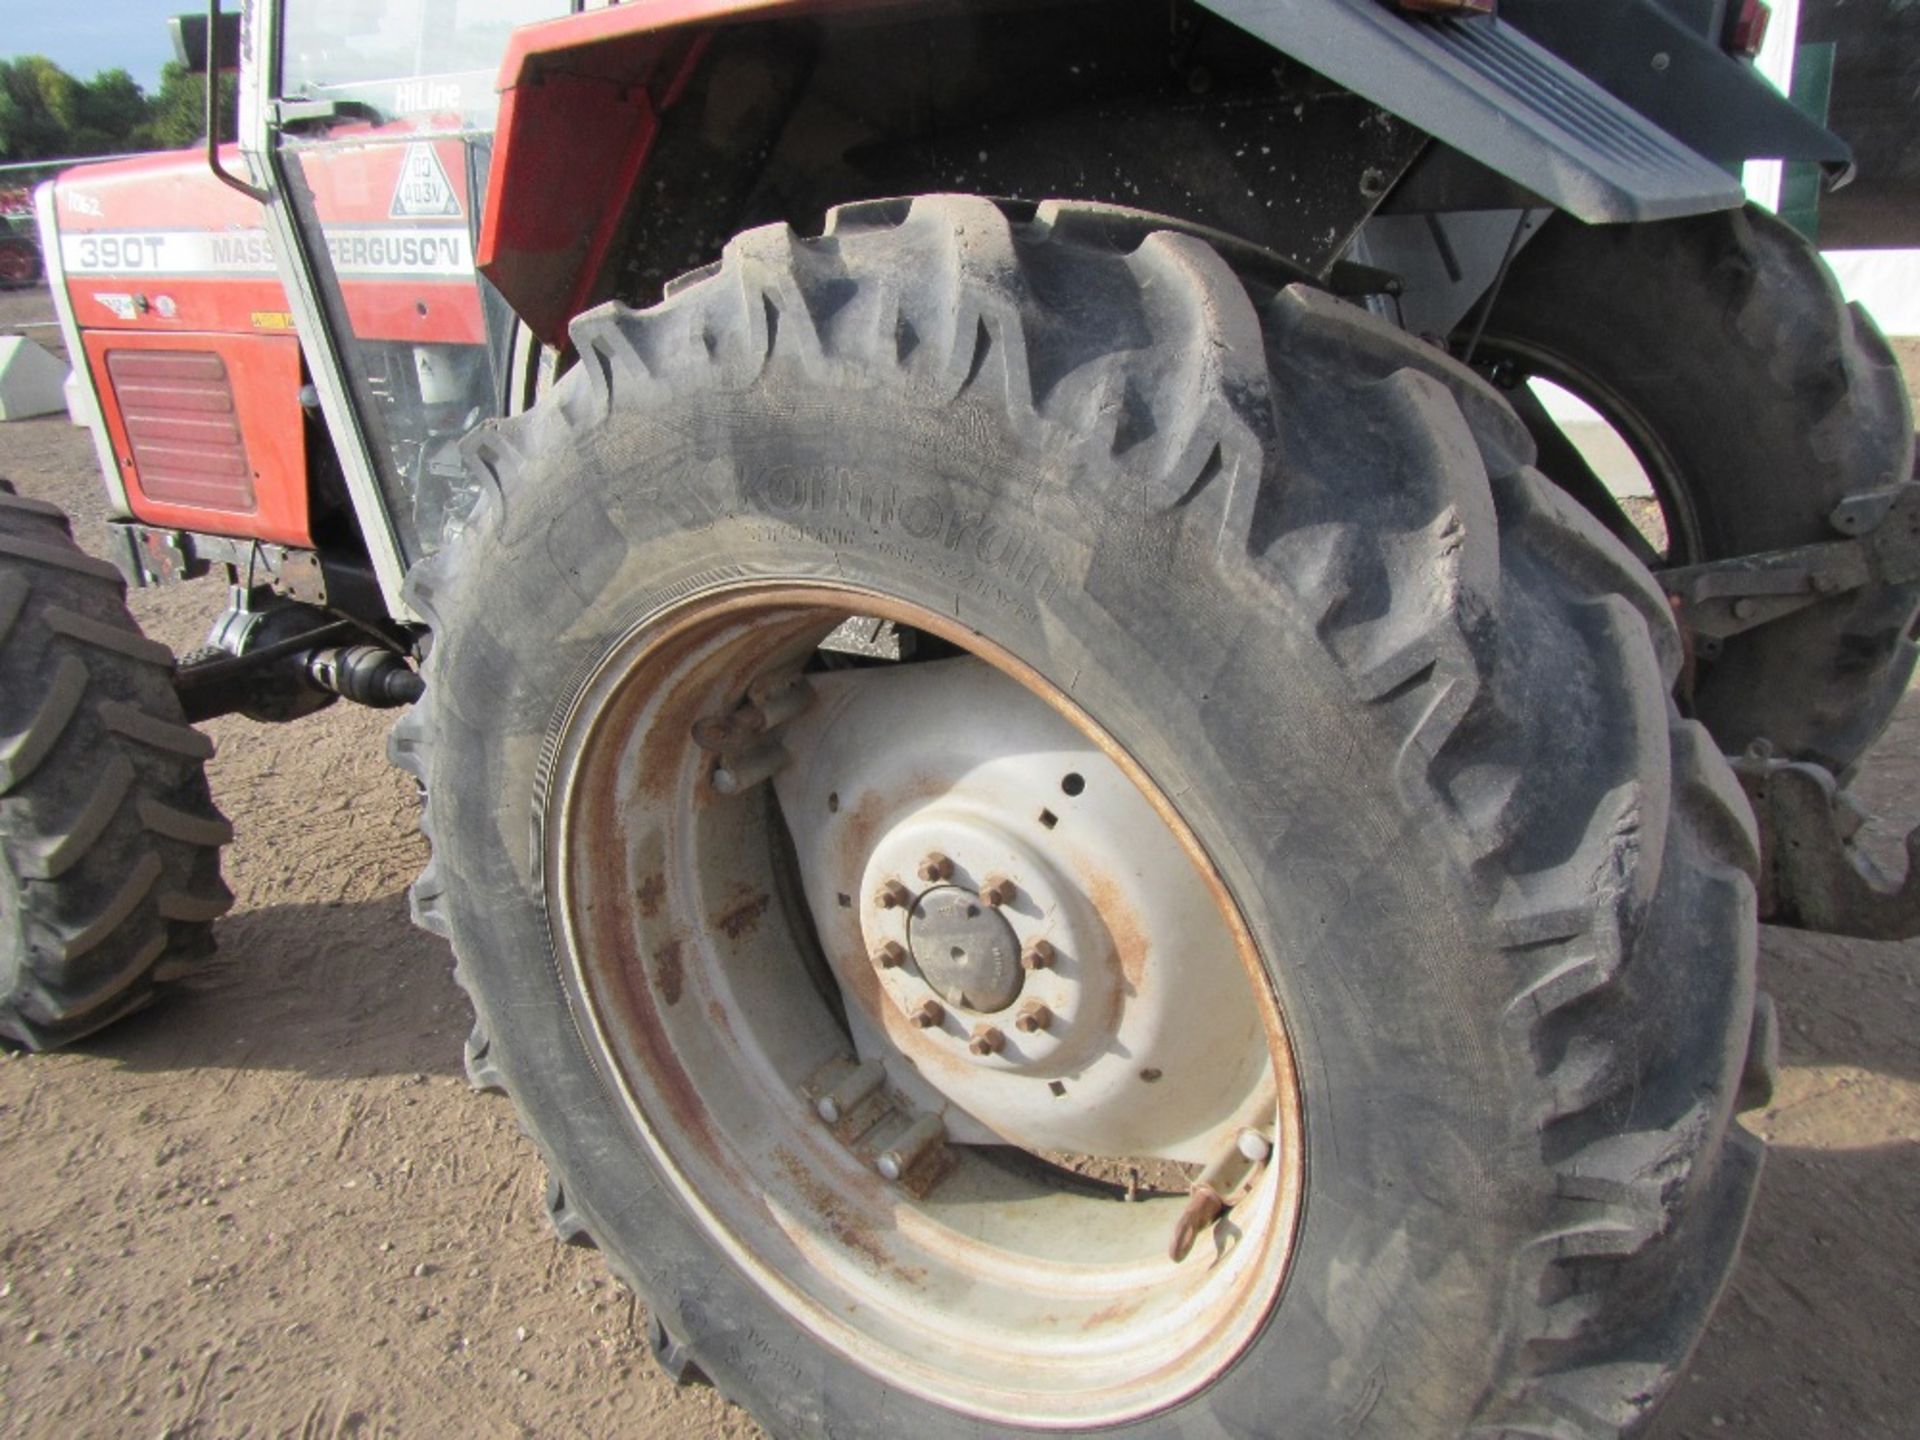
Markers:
point(1247, 948)
point(109, 842)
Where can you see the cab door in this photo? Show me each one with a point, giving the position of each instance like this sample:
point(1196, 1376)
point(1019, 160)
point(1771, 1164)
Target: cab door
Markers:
point(379, 129)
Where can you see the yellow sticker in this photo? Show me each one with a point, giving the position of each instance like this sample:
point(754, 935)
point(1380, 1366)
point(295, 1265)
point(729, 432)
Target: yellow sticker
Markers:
point(272, 320)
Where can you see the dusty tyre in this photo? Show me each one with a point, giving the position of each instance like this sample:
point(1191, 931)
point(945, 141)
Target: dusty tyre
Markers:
point(1756, 399)
point(111, 842)
point(1326, 745)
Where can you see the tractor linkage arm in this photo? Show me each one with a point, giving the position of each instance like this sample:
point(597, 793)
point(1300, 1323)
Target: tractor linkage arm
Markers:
point(1811, 875)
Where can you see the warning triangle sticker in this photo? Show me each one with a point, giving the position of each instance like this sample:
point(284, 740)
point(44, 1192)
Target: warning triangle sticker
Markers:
point(424, 190)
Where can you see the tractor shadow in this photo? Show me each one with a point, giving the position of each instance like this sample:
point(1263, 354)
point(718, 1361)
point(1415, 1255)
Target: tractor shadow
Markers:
point(1814, 1335)
point(335, 991)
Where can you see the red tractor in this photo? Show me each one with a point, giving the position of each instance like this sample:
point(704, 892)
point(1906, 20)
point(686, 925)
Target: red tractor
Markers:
point(1064, 805)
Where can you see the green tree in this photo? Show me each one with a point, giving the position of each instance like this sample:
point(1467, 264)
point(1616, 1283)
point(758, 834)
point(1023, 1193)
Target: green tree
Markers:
point(177, 115)
point(40, 109)
point(45, 113)
point(111, 111)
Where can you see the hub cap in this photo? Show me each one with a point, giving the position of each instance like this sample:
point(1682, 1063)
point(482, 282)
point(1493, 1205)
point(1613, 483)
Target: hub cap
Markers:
point(964, 949)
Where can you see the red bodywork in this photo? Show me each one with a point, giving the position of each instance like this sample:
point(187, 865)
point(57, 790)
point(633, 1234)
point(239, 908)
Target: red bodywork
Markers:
point(550, 221)
point(164, 262)
point(165, 265)
point(188, 333)
point(411, 279)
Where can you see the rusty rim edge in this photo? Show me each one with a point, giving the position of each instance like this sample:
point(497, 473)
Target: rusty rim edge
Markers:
point(619, 668)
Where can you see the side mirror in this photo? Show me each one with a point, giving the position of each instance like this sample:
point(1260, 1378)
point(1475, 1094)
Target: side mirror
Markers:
point(190, 41)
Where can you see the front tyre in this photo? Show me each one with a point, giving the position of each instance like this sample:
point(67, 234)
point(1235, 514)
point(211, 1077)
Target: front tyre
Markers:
point(1324, 746)
point(110, 841)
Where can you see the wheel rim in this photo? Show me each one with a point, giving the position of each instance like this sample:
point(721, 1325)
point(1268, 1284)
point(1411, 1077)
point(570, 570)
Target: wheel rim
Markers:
point(16, 264)
point(851, 1162)
point(1515, 362)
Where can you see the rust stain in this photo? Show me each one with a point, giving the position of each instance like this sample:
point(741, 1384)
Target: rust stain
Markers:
point(1112, 1314)
point(652, 891)
point(662, 763)
point(717, 1013)
point(1123, 928)
point(667, 972)
point(859, 827)
point(741, 916)
point(934, 1167)
point(609, 953)
point(862, 981)
point(828, 1206)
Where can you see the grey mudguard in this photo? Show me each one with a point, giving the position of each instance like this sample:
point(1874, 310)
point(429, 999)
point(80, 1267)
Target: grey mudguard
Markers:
point(1487, 90)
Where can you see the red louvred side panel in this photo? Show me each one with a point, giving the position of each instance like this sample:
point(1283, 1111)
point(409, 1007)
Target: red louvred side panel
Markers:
point(207, 429)
point(178, 408)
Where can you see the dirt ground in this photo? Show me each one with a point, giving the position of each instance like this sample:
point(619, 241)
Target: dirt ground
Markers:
point(273, 1207)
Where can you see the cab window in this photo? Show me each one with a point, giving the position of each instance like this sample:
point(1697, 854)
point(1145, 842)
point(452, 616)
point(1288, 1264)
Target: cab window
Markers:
point(403, 57)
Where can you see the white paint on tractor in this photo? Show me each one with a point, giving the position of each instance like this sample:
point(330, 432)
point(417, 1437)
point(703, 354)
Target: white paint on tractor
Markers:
point(1153, 1049)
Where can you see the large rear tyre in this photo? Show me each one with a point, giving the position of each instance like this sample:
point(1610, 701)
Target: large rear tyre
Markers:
point(1756, 399)
point(110, 839)
point(1325, 744)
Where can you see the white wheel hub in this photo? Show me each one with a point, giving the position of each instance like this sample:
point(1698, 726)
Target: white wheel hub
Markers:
point(1019, 938)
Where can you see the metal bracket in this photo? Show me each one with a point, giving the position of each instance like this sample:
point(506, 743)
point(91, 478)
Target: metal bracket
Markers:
point(299, 114)
point(880, 1127)
point(152, 555)
point(1811, 878)
point(1725, 597)
point(288, 114)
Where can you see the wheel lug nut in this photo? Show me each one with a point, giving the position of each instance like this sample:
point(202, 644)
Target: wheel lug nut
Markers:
point(890, 955)
point(997, 891)
point(926, 1014)
point(936, 867)
point(1033, 1016)
point(892, 895)
point(987, 1041)
point(1038, 957)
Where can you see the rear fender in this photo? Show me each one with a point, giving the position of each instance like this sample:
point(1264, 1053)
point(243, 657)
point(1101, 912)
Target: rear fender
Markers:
point(550, 220)
point(1481, 85)
point(1485, 87)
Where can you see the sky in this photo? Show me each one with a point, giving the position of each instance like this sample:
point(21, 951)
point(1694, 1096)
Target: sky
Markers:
point(93, 35)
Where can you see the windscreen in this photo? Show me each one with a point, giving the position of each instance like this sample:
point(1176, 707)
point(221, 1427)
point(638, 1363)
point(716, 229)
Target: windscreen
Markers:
point(403, 57)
